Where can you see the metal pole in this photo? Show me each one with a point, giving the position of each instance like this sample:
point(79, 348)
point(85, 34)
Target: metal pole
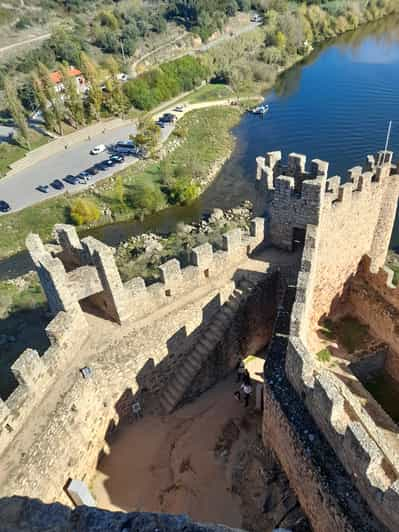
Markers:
point(388, 135)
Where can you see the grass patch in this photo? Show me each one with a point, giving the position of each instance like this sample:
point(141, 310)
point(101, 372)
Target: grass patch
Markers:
point(347, 332)
point(28, 295)
point(204, 137)
point(210, 92)
point(9, 153)
point(324, 356)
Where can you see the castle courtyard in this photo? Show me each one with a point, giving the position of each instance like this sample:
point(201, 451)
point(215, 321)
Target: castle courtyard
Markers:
point(206, 459)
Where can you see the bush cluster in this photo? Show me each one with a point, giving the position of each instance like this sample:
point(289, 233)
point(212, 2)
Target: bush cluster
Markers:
point(170, 79)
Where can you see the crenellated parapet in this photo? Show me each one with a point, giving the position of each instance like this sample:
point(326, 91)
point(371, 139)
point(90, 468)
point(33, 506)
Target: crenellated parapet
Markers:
point(83, 276)
point(36, 374)
point(297, 195)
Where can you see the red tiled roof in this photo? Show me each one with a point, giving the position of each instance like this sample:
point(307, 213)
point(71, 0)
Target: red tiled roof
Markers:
point(56, 76)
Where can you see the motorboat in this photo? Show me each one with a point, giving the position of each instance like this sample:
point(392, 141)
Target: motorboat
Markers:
point(260, 109)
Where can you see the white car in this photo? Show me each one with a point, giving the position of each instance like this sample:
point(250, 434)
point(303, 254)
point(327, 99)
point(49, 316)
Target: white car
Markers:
point(122, 76)
point(179, 108)
point(98, 149)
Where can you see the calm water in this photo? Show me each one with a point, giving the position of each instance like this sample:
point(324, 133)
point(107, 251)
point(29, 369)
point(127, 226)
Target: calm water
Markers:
point(334, 106)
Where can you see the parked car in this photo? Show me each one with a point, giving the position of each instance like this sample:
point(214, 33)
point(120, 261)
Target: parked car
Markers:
point(122, 76)
point(4, 206)
point(110, 162)
point(179, 108)
point(43, 188)
point(83, 177)
point(98, 149)
point(71, 179)
point(125, 143)
point(57, 184)
point(102, 166)
point(168, 118)
point(160, 123)
point(93, 170)
point(124, 150)
point(117, 158)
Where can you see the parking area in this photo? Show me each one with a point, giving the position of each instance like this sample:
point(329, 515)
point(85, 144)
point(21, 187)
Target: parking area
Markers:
point(71, 170)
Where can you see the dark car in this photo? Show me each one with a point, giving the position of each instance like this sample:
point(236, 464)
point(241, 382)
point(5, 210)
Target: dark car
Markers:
point(93, 170)
point(102, 166)
point(43, 188)
point(110, 162)
point(83, 177)
point(168, 118)
point(117, 158)
point(124, 150)
point(4, 206)
point(57, 184)
point(71, 179)
point(160, 122)
point(125, 144)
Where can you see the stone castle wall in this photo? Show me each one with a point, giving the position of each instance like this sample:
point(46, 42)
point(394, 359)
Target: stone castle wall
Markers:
point(343, 222)
point(363, 436)
point(353, 219)
point(128, 360)
point(373, 299)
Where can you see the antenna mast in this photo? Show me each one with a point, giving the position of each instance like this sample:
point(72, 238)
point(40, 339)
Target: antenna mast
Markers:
point(382, 155)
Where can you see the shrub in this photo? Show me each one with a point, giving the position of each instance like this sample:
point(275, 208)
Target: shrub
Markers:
point(84, 211)
point(324, 355)
point(170, 79)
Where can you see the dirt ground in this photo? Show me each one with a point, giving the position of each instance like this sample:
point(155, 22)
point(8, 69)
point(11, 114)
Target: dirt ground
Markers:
point(205, 460)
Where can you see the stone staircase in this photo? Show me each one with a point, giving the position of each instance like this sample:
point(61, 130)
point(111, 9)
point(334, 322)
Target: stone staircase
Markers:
point(207, 343)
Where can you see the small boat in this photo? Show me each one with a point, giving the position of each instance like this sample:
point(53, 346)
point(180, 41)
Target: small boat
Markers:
point(260, 110)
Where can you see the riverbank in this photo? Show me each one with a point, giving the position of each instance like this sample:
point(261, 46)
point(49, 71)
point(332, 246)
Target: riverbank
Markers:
point(200, 138)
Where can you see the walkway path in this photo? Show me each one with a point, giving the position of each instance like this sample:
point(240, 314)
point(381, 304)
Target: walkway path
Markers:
point(24, 42)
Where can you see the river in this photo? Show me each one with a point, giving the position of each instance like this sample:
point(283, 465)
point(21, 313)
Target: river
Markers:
point(335, 106)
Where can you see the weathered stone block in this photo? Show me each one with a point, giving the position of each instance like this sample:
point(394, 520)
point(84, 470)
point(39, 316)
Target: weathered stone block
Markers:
point(28, 368)
point(171, 272)
point(319, 168)
point(67, 236)
point(136, 286)
point(232, 240)
point(202, 256)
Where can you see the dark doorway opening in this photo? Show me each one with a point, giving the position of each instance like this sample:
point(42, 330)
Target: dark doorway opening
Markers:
point(298, 238)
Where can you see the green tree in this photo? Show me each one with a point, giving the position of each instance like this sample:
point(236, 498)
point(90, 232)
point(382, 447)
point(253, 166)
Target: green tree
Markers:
point(16, 110)
point(95, 96)
point(184, 191)
point(52, 97)
point(44, 106)
point(280, 40)
point(145, 198)
point(83, 211)
point(72, 97)
point(148, 136)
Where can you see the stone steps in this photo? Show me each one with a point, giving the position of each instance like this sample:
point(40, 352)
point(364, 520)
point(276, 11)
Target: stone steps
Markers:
point(207, 343)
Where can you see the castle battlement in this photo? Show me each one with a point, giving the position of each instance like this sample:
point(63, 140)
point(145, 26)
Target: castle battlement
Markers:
point(296, 197)
point(84, 273)
point(347, 239)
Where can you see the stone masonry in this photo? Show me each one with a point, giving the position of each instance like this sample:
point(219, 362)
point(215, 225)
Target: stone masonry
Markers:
point(123, 333)
point(343, 223)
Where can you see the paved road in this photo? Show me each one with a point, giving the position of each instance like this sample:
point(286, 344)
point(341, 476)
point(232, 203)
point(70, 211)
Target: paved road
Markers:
point(19, 189)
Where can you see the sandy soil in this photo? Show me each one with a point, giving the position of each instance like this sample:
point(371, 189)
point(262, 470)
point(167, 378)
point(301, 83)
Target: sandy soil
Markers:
point(207, 460)
point(179, 463)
